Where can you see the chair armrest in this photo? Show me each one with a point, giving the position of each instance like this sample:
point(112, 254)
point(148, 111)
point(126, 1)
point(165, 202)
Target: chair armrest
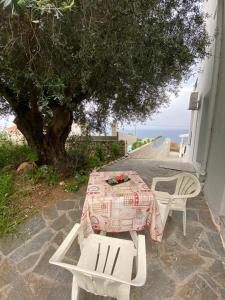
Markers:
point(66, 244)
point(155, 180)
point(140, 278)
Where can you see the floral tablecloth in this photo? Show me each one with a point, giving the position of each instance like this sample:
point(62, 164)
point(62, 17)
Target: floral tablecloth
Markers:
point(128, 206)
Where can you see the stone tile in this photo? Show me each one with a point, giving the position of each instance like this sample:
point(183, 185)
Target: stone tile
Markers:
point(50, 212)
point(211, 283)
point(197, 203)
point(26, 231)
point(187, 264)
point(158, 286)
point(206, 254)
point(170, 228)
point(3, 296)
point(8, 273)
point(55, 293)
point(192, 236)
point(204, 245)
point(28, 262)
point(20, 290)
point(10, 242)
point(217, 272)
point(65, 204)
point(216, 243)
point(51, 271)
point(60, 222)
point(75, 215)
point(60, 236)
point(33, 225)
point(206, 220)
point(68, 227)
point(192, 215)
point(197, 289)
point(32, 246)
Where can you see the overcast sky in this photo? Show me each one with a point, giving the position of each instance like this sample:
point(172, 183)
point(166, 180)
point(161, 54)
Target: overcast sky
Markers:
point(175, 115)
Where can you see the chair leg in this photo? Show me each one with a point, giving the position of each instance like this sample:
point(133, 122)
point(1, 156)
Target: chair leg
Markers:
point(184, 222)
point(134, 237)
point(75, 290)
point(124, 293)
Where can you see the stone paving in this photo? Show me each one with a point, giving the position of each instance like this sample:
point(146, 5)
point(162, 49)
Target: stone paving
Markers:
point(191, 267)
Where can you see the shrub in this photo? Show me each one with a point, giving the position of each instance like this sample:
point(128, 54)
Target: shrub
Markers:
point(13, 154)
point(93, 162)
point(100, 152)
point(115, 150)
point(78, 151)
point(6, 212)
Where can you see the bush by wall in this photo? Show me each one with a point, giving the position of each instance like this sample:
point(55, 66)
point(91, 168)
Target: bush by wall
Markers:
point(90, 153)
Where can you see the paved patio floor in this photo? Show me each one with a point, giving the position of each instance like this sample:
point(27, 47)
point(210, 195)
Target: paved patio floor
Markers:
point(191, 267)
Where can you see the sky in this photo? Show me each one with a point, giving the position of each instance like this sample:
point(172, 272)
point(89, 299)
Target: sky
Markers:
point(176, 115)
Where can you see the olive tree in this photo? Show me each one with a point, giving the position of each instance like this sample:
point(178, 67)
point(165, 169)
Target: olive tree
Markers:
point(84, 61)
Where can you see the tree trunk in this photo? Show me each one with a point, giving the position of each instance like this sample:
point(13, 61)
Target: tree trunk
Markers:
point(49, 144)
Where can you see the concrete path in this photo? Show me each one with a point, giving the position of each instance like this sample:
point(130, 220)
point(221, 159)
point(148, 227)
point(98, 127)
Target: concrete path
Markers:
point(191, 267)
point(150, 151)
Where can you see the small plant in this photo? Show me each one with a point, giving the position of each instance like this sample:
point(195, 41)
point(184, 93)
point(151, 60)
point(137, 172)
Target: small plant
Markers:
point(32, 157)
point(71, 187)
point(115, 150)
point(44, 173)
point(81, 178)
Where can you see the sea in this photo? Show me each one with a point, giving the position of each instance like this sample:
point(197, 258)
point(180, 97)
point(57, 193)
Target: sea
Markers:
point(172, 133)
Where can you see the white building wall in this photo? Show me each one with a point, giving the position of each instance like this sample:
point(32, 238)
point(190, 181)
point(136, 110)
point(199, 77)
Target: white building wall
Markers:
point(207, 147)
point(204, 87)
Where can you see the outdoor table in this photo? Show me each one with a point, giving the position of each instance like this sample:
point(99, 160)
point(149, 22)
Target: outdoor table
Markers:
point(128, 206)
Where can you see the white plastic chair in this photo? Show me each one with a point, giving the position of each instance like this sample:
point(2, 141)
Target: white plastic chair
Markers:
point(187, 186)
point(105, 264)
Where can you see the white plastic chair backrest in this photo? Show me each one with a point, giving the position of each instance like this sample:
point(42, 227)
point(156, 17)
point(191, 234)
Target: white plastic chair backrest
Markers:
point(96, 285)
point(107, 259)
point(187, 184)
